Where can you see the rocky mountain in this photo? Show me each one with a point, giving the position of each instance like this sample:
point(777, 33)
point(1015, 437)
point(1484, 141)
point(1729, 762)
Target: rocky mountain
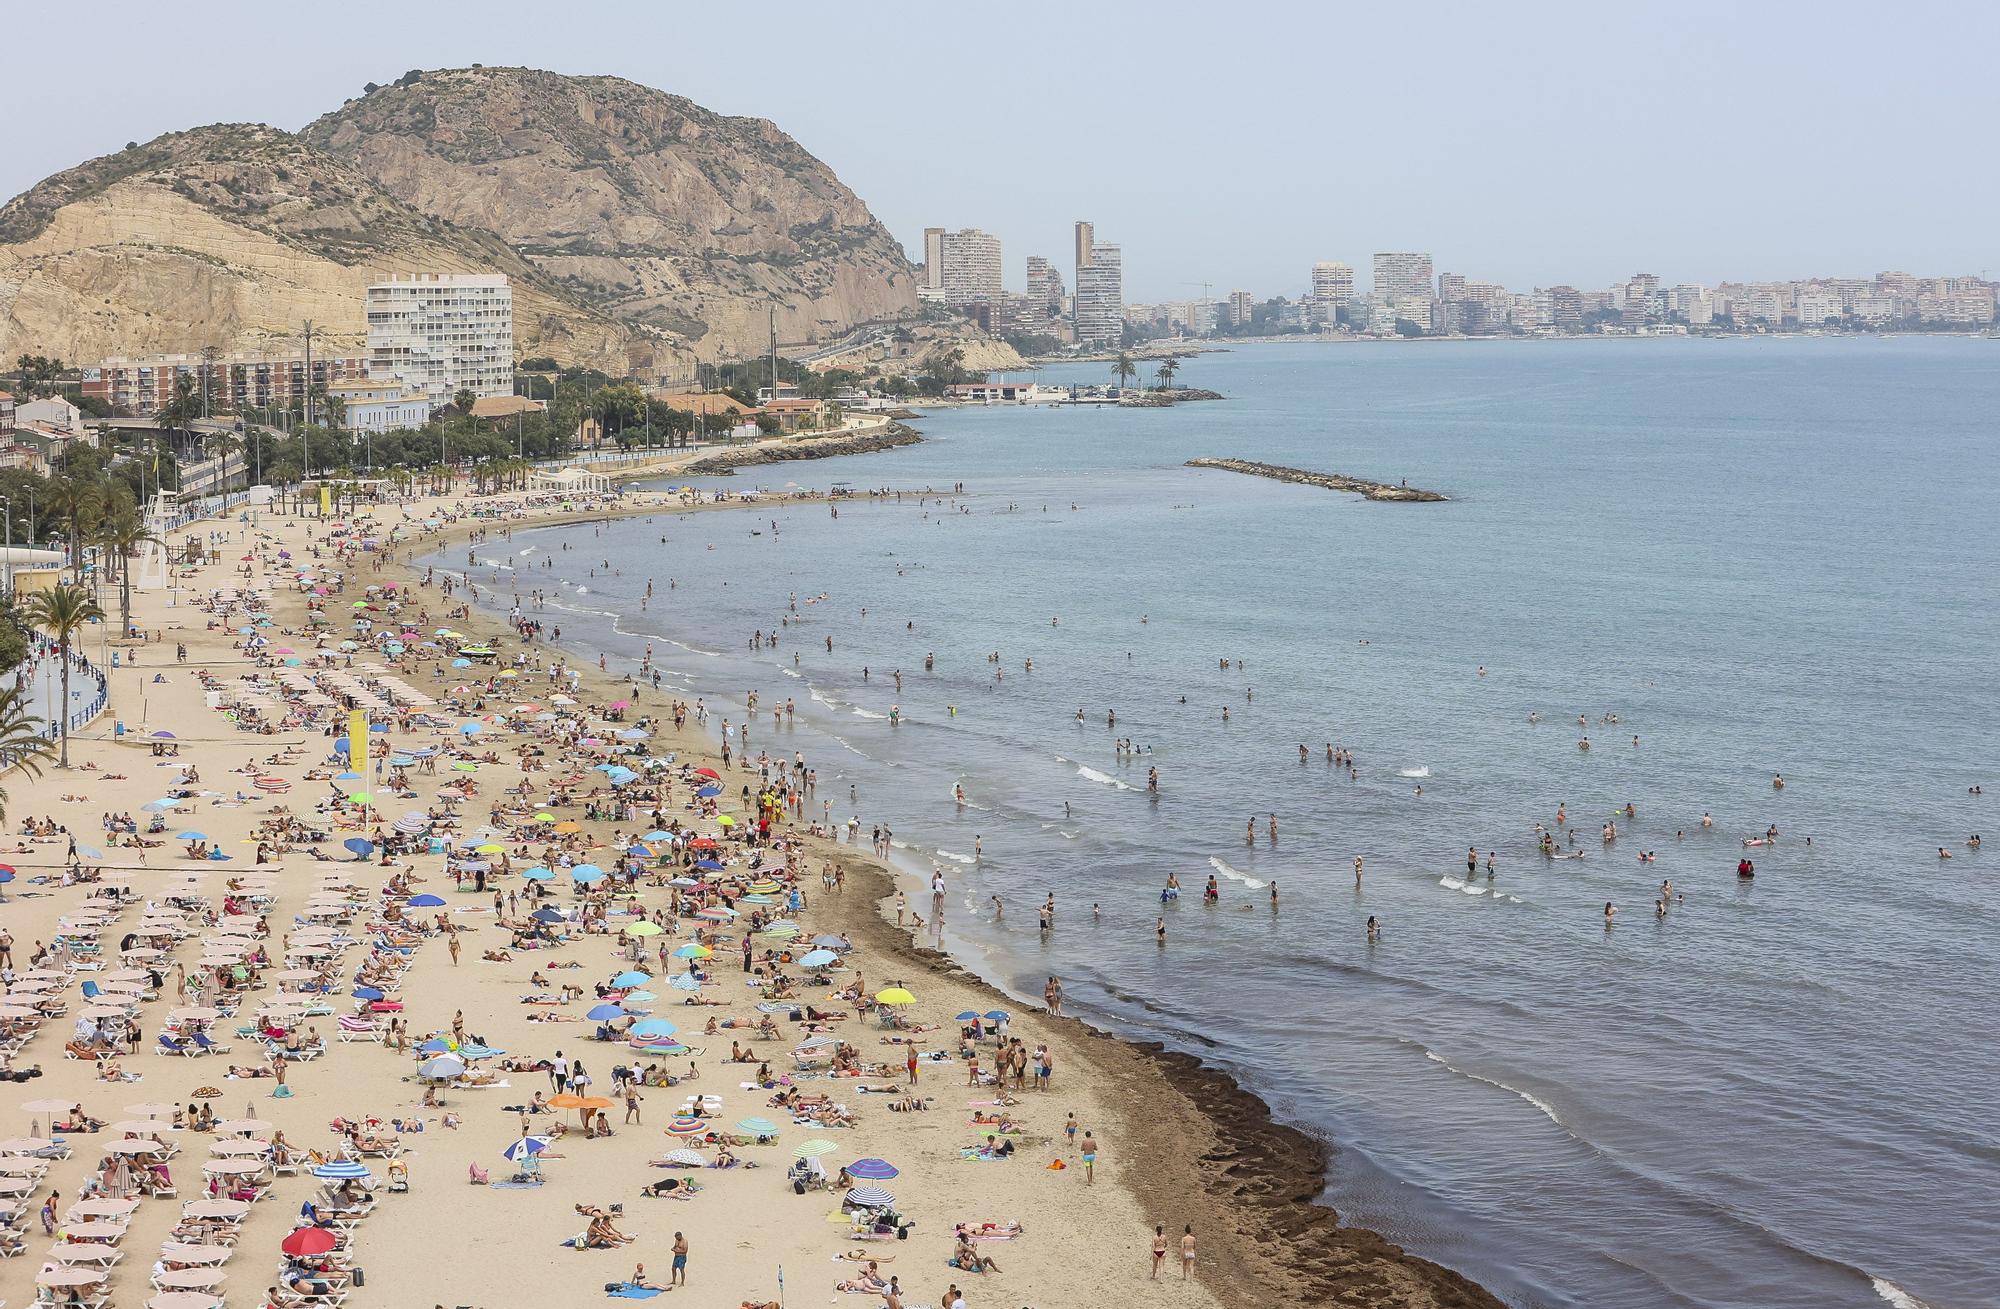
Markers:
point(640, 230)
point(644, 205)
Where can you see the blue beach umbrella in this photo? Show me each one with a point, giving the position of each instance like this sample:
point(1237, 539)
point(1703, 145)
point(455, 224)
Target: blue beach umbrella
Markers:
point(436, 1045)
point(709, 792)
point(819, 959)
point(461, 663)
point(708, 865)
point(632, 977)
point(653, 1027)
point(342, 1170)
point(537, 875)
point(657, 835)
point(527, 1145)
point(360, 845)
point(426, 902)
point(586, 874)
point(548, 916)
point(967, 1016)
point(366, 993)
point(605, 1012)
point(347, 777)
point(871, 1170)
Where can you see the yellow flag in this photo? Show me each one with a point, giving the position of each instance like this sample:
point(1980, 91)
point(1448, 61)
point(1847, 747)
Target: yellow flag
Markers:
point(357, 742)
point(325, 500)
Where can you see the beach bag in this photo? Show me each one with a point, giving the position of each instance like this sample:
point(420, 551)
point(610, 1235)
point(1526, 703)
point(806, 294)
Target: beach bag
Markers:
point(360, 1277)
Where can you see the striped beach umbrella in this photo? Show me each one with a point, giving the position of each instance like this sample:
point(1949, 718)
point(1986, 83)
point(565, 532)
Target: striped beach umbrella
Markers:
point(872, 1170)
point(870, 1197)
point(813, 1149)
point(758, 1126)
point(342, 1170)
point(687, 1125)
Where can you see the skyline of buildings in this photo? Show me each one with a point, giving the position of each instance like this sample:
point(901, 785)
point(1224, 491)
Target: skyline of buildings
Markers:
point(442, 333)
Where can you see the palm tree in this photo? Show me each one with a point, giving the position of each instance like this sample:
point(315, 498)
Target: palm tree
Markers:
point(120, 535)
point(1125, 370)
point(1167, 371)
point(22, 744)
point(75, 502)
point(62, 611)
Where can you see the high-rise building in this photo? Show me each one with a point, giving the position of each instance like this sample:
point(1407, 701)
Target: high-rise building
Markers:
point(1333, 284)
point(1086, 236)
point(1402, 276)
point(1242, 308)
point(934, 258)
point(1566, 308)
point(1045, 290)
point(443, 333)
point(1100, 298)
point(970, 260)
point(231, 382)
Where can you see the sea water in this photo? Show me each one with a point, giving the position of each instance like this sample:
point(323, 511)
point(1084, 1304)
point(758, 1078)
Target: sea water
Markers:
point(1764, 556)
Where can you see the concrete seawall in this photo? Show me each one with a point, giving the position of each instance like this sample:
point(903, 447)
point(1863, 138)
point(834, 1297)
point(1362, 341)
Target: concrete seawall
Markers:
point(818, 447)
point(1330, 481)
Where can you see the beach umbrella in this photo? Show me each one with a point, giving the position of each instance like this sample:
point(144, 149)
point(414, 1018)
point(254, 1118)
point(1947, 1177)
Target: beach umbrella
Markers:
point(685, 1158)
point(684, 982)
point(632, 977)
point(360, 845)
point(870, 1197)
point(965, 1017)
point(709, 773)
point(758, 1126)
point(709, 792)
point(436, 1045)
point(68, 1276)
point(997, 1015)
point(366, 993)
point(895, 995)
point(537, 875)
point(692, 950)
point(425, 901)
point(872, 1170)
point(547, 915)
point(527, 1145)
point(715, 914)
point(653, 1027)
point(819, 959)
point(605, 1012)
point(342, 1170)
point(708, 865)
point(687, 1125)
point(309, 1241)
point(830, 941)
point(657, 835)
point(813, 1149)
point(441, 1067)
point(226, 1209)
point(190, 836)
point(587, 874)
point(643, 928)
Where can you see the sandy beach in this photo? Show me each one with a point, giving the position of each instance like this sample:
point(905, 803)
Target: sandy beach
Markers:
point(1177, 1145)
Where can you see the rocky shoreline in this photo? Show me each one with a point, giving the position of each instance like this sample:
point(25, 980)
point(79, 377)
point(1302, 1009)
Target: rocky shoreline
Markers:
point(1163, 399)
point(811, 447)
point(1261, 1179)
point(1330, 481)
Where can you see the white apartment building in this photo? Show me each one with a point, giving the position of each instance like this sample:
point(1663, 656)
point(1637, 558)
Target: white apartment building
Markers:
point(1100, 298)
point(969, 266)
point(1401, 275)
point(1333, 284)
point(442, 333)
point(1815, 307)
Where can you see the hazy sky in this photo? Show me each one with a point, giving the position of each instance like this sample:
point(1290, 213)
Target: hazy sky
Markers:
point(1232, 144)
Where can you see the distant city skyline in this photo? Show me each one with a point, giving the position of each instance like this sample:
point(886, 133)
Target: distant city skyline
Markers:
point(1552, 144)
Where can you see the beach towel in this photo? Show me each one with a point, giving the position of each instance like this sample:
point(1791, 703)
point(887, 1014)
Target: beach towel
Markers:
point(518, 1186)
point(627, 1291)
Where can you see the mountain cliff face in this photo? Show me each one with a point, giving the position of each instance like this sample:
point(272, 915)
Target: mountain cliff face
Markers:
point(643, 204)
point(640, 230)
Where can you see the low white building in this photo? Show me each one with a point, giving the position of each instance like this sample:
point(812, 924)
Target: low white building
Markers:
point(380, 406)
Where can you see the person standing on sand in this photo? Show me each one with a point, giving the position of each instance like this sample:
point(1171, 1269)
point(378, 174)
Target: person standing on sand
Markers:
point(1159, 1248)
point(679, 1275)
point(910, 1062)
point(1187, 1250)
point(1089, 1147)
point(452, 945)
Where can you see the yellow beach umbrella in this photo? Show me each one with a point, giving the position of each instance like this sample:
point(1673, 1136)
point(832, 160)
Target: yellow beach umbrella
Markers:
point(643, 928)
point(895, 995)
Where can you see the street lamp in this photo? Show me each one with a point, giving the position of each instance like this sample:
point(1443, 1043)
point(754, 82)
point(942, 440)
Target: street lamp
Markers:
point(9, 584)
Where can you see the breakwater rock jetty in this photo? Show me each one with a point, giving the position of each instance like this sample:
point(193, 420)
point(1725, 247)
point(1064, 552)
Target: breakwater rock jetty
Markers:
point(1330, 481)
point(810, 447)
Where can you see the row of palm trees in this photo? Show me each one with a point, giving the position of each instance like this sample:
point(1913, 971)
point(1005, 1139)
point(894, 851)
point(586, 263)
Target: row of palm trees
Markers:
point(61, 612)
point(1125, 368)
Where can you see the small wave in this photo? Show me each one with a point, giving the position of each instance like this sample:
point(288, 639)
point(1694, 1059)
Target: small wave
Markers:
point(826, 700)
point(530, 550)
point(1420, 771)
point(1895, 1294)
point(1105, 778)
point(1235, 876)
point(956, 857)
point(869, 713)
point(789, 673)
point(1458, 885)
point(1540, 1104)
point(495, 563)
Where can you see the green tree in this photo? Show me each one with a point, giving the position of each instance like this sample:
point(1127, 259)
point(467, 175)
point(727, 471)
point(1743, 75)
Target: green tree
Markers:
point(22, 744)
point(13, 636)
point(62, 612)
point(40, 374)
point(183, 406)
point(463, 400)
point(75, 502)
point(1124, 369)
point(1167, 371)
point(121, 533)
